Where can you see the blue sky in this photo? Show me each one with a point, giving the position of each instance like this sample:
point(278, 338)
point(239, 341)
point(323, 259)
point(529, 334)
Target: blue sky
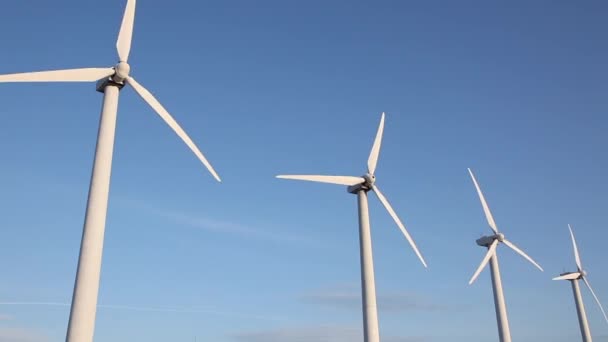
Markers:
point(515, 91)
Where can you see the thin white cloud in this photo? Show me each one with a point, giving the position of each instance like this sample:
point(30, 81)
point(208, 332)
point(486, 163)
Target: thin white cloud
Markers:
point(349, 298)
point(33, 304)
point(192, 310)
point(216, 225)
point(20, 335)
point(314, 333)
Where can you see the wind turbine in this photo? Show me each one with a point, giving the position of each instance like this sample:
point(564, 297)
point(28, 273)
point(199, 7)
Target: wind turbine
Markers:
point(81, 325)
point(574, 277)
point(360, 186)
point(491, 242)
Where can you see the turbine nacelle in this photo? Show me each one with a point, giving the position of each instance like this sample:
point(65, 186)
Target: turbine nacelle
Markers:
point(486, 241)
point(573, 275)
point(570, 276)
point(367, 184)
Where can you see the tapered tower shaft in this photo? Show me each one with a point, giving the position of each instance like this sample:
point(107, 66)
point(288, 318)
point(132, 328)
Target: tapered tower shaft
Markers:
point(504, 333)
point(368, 285)
point(580, 310)
point(81, 325)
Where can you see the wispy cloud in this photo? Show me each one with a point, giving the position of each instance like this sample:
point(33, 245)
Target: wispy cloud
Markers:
point(349, 297)
point(190, 310)
point(216, 225)
point(314, 333)
point(20, 335)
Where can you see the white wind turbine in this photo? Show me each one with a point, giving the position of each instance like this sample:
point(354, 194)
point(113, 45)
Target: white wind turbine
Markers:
point(360, 186)
point(574, 277)
point(491, 242)
point(110, 80)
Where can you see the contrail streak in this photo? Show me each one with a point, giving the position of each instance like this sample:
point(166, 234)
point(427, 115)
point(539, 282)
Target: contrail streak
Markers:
point(195, 310)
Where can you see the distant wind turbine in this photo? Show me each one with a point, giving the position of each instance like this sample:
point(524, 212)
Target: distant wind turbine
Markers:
point(491, 242)
point(81, 325)
point(360, 186)
point(574, 277)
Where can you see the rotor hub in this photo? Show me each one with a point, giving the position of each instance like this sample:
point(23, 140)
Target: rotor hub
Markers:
point(122, 71)
point(500, 237)
point(583, 273)
point(369, 179)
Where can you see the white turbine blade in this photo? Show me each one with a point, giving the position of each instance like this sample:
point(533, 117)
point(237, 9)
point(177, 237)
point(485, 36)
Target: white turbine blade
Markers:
point(576, 255)
point(340, 180)
point(123, 44)
point(596, 299)
point(520, 252)
point(372, 161)
point(390, 210)
point(68, 75)
point(486, 209)
point(569, 276)
point(164, 114)
point(485, 260)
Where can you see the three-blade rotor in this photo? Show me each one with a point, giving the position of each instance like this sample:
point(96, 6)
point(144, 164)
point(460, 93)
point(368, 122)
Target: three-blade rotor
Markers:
point(367, 183)
point(118, 74)
point(580, 274)
point(496, 238)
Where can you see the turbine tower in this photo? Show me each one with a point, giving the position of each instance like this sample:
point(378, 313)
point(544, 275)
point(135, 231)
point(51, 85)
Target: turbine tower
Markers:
point(81, 325)
point(574, 277)
point(360, 186)
point(491, 242)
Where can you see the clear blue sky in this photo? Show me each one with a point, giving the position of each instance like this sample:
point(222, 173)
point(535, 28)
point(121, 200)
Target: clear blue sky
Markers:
point(515, 91)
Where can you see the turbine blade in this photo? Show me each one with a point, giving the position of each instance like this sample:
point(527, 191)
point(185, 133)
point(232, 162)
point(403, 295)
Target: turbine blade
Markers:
point(596, 299)
point(569, 276)
point(486, 209)
point(164, 114)
point(123, 44)
point(68, 75)
point(372, 161)
point(576, 255)
point(520, 252)
point(485, 260)
point(390, 210)
point(340, 180)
